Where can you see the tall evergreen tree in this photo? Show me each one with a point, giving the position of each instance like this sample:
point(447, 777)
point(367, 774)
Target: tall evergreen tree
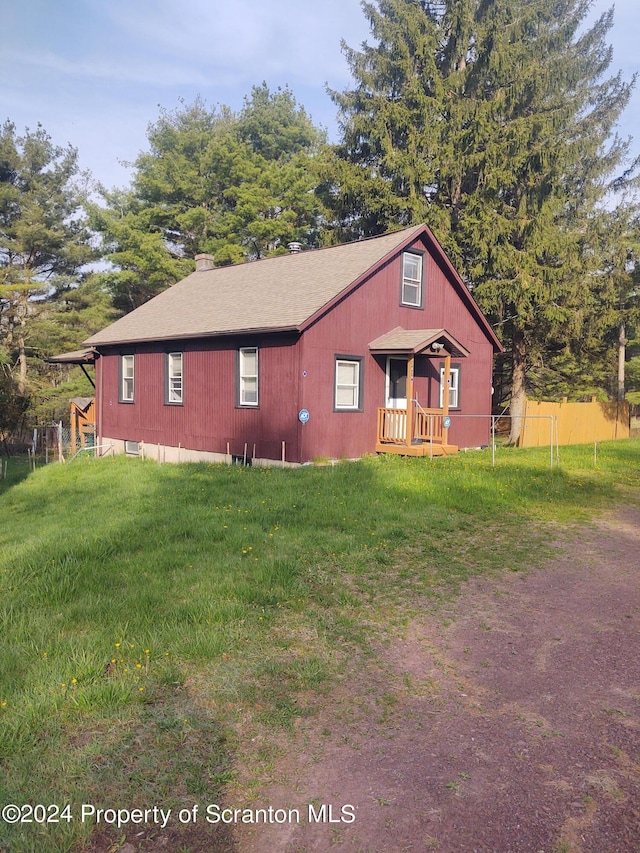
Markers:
point(491, 120)
point(618, 282)
point(44, 240)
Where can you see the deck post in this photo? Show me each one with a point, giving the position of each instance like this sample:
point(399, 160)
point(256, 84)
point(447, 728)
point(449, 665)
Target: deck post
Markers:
point(409, 426)
point(445, 397)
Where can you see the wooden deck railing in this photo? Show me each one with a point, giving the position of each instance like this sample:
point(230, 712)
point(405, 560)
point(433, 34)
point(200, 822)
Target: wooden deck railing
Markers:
point(427, 425)
point(392, 426)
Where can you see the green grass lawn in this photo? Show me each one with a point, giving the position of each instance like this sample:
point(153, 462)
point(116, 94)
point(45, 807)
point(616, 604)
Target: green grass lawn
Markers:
point(151, 616)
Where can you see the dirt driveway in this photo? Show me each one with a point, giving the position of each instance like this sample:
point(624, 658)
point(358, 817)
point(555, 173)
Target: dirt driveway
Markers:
point(508, 722)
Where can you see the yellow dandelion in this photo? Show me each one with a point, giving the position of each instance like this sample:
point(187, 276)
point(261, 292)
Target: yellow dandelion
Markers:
point(138, 666)
point(74, 680)
point(141, 689)
point(147, 651)
point(3, 704)
point(63, 684)
point(117, 645)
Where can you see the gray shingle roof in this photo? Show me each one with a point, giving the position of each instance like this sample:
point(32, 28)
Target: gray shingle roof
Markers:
point(273, 294)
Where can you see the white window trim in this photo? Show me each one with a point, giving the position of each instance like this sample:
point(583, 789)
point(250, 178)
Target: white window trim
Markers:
point(357, 387)
point(243, 376)
point(127, 378)
point(175, 379)
point(454, 387)
point(412, 282)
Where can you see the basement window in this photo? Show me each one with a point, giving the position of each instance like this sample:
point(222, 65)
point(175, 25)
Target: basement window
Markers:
point(132, 448)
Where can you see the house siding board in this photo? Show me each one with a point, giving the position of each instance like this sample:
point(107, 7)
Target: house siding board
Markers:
point(209, 418)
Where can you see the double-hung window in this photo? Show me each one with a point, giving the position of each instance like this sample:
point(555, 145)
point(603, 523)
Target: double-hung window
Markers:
point(127, 377)
point(454, 388)
point(412, 292)
point(348, 384)
point(248, 376)
point(174, 378)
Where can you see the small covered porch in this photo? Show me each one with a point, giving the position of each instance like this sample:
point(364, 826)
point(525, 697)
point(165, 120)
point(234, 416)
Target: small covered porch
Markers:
point(404, 425)
point(82, 418)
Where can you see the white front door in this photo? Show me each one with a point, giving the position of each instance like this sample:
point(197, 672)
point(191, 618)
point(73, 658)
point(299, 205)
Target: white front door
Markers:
point(396, 384)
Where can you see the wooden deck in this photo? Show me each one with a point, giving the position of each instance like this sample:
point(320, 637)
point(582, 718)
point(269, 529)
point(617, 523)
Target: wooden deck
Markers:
point(428, 436)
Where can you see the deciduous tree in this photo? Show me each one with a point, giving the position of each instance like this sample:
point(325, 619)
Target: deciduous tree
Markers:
point(238, 186)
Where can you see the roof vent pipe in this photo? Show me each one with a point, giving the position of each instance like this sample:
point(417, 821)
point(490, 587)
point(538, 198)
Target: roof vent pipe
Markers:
point(204, 262)
point(294, 248)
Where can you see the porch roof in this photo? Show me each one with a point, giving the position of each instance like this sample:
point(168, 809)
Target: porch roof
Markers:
point(81, 356)
point(401, 341)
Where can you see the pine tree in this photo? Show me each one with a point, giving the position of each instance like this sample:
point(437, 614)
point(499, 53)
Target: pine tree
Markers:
point(492, 121)
point(44, 240)
point(618, 287)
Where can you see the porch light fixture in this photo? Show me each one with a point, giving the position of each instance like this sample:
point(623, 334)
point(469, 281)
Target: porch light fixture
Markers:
point(436, 346)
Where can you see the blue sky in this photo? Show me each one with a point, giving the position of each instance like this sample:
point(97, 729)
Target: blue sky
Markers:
point(94, 73)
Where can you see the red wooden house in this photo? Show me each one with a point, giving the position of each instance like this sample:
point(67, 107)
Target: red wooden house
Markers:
point(370, 346)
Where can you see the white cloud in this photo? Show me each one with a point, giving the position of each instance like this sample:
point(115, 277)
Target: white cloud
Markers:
point(253, 38)
point(145, 72)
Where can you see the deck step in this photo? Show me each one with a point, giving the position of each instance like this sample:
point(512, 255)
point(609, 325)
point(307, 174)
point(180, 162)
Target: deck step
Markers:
point(424, 449)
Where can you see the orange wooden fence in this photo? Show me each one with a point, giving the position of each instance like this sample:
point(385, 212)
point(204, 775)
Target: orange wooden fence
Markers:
point(577, 423)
